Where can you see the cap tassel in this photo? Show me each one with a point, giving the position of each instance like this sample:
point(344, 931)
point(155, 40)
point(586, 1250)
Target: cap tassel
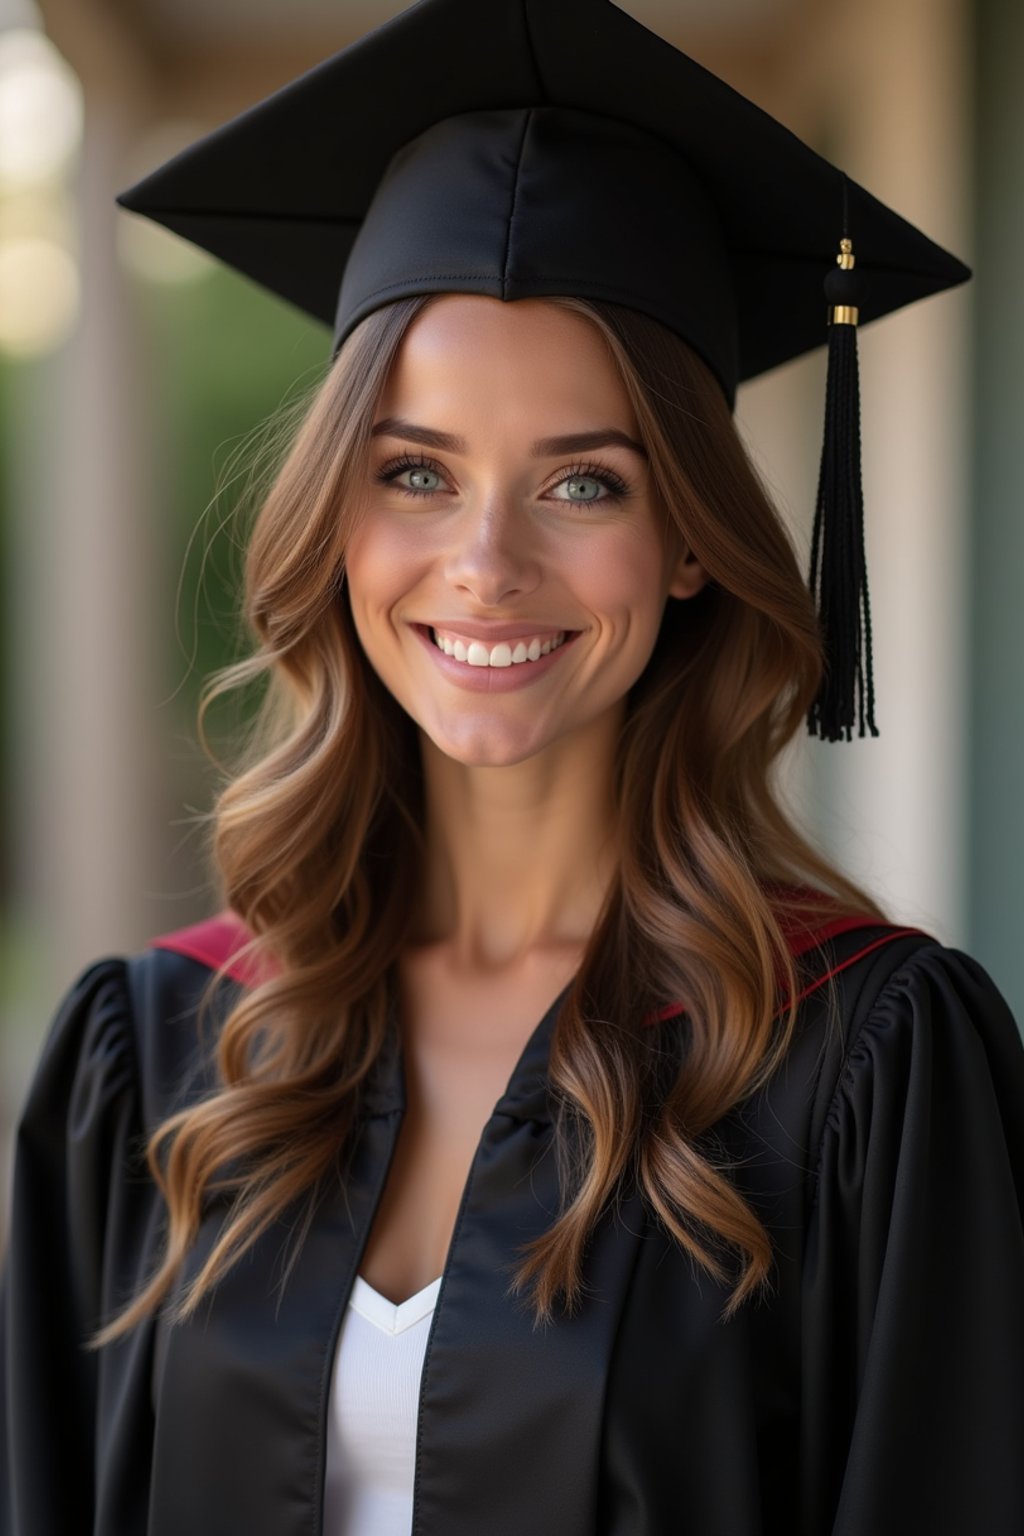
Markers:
point(838, 576)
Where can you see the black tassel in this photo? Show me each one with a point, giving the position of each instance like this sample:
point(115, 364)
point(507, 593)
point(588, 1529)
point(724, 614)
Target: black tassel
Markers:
point(838, 577)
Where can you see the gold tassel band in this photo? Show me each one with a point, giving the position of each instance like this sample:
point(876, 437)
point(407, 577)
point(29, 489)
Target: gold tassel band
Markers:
point(844, 314)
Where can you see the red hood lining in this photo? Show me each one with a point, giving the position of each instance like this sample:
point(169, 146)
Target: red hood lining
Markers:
point(219, 942)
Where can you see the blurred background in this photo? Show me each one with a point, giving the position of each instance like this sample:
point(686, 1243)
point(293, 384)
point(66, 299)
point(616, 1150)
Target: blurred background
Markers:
point(133, 368)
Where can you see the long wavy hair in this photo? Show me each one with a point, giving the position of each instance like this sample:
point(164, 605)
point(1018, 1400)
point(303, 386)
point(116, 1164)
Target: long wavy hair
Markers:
point(317, 839)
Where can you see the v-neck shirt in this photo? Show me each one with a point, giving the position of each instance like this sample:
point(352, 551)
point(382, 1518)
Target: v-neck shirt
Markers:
point(371, 1440)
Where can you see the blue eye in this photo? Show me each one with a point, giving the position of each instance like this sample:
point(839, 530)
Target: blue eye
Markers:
point(575, 481)
point(417, 467)
point(592, 475)
point(421, 470)
point(418, 475)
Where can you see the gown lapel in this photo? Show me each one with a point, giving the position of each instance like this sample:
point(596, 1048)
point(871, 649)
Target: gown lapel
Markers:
point(241, 1391)
point(510, 1416)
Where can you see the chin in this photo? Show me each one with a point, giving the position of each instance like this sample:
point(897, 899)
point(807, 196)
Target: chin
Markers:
point(490, 749)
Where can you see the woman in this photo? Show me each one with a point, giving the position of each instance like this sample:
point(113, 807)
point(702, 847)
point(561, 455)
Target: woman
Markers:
point(545, 1137)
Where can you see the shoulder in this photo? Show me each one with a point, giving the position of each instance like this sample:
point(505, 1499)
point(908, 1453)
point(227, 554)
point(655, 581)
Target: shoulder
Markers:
point(222, 942)
point(180, 988)
point(87, 1060)
point(929, 1050)
point(142, 1024)
point(876, 975)
point(907, 984)
point(882, 1009)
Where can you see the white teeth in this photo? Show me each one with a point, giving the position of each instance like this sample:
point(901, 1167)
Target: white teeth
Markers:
point(477, 654)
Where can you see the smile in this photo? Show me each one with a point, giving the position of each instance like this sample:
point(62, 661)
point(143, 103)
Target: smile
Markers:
point(476, 654)
point(506, 666)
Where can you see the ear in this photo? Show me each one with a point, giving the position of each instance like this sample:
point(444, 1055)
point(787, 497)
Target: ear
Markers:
point(688, 575)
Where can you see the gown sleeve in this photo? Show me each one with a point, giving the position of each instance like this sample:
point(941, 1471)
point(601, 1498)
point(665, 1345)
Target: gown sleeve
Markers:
point(70, 1420)
point(913, 1349)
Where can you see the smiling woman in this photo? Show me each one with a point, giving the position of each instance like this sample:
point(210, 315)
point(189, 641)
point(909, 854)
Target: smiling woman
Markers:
point(546, 1138)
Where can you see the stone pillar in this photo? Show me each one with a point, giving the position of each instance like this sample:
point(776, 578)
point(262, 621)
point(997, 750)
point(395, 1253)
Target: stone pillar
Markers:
point(88, 574)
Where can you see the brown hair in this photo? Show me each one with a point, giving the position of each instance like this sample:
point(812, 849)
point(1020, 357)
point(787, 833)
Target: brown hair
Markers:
point(308, 837)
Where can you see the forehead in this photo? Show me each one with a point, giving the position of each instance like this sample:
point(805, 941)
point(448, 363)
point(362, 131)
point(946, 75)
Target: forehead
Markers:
point(527, 358)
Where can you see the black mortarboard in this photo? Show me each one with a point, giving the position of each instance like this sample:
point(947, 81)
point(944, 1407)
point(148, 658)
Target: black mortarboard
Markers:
point(527, 147)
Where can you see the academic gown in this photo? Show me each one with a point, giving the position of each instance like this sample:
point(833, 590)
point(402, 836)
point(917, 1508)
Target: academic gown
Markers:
point(878, 1391)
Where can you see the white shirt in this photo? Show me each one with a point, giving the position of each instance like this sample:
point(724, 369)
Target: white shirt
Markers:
point(371, 1426)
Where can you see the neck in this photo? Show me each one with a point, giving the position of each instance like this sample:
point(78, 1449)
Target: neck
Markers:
point(518, 858)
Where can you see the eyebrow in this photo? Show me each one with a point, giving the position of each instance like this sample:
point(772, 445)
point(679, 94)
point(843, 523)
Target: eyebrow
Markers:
point(544, 447)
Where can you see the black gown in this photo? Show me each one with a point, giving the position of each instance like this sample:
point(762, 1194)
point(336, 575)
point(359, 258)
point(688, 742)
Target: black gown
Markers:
point(879, 1390)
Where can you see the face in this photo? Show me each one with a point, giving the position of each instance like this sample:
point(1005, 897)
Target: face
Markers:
point(481, 530)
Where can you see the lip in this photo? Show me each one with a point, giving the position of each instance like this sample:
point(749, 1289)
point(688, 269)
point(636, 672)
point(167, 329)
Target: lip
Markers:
point(493, 679)
point(494, 631)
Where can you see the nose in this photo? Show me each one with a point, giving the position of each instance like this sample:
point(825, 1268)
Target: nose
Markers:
point(493, 554)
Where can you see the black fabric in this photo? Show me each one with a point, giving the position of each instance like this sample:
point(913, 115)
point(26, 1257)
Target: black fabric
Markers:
point(838, 577)
point(879, 1390)
point(527, 147)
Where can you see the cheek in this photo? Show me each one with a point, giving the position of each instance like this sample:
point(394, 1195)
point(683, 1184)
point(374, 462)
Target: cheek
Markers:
point(623, 576)
point(383, 560)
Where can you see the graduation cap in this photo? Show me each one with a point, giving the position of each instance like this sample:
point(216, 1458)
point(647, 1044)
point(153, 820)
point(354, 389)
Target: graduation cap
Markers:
point(521, 148)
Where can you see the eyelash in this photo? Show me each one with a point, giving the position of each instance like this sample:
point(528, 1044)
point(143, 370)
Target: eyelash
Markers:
point(616, 488)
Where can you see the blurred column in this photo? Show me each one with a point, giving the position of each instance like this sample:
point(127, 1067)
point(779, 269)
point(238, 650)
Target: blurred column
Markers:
point(88, 834)
point(997, 518)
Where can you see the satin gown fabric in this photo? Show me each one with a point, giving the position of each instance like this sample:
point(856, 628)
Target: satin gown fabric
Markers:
point(878, 1390)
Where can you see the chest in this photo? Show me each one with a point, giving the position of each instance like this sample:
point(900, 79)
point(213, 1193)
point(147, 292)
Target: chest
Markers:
point(462, 1038)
